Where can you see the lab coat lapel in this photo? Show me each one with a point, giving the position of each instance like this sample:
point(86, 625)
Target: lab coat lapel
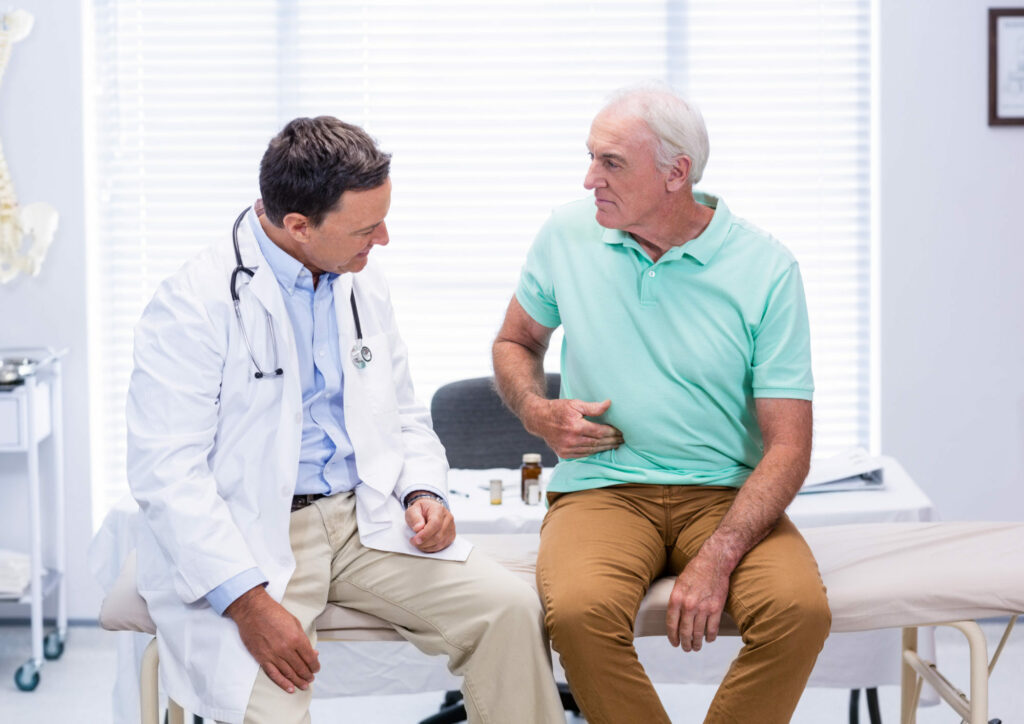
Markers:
point(378, 466)
point(265, 288)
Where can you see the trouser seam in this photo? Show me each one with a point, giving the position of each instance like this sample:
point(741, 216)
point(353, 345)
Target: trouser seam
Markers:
point(469, 689)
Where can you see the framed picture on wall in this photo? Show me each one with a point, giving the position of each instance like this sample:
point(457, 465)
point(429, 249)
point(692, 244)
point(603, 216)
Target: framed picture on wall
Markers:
point(1006, 66)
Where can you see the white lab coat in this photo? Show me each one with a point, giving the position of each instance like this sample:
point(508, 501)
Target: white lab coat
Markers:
point(213, 455)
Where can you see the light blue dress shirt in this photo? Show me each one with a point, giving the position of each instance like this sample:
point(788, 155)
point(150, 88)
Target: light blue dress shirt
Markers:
point(327, 461)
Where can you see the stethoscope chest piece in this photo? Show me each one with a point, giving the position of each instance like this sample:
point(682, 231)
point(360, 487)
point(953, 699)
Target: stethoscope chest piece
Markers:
point(361, 354)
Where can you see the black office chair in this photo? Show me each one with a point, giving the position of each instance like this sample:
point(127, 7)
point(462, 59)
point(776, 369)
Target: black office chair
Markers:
point(478, 432)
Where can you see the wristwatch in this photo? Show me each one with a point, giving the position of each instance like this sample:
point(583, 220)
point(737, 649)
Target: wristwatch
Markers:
point(426, 494)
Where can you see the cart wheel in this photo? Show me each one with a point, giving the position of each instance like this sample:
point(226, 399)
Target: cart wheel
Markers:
point(27, 676)
point(53, 646)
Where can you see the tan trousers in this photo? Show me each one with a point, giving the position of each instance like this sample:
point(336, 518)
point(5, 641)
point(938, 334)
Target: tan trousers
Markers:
point(487, 622)
point(599, 551)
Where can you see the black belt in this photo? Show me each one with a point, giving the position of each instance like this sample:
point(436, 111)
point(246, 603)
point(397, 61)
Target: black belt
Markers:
point(301, 501)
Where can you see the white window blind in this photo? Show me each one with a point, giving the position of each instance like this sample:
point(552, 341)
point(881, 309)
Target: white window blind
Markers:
point(486, 108)
point(785, 90)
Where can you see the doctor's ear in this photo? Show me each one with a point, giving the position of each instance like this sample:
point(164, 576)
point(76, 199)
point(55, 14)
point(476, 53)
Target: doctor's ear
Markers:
point(297, 226)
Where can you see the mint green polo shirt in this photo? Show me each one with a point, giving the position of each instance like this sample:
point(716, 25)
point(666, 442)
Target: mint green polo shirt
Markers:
point(681, 347)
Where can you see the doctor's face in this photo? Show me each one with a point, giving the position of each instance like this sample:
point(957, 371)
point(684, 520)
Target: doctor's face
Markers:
point(343, 240)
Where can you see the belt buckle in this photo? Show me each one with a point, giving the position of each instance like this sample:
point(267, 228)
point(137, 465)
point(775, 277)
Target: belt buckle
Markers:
point(305, 500)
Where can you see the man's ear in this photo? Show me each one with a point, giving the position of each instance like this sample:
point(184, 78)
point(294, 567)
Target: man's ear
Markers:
point(679, 175)
point(297, 226)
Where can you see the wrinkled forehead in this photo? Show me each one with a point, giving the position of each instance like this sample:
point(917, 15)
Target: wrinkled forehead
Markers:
point(617, 128)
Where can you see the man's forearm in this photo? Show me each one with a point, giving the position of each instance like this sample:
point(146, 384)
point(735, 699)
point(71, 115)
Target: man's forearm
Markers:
point(759, 504)
point(518, 373)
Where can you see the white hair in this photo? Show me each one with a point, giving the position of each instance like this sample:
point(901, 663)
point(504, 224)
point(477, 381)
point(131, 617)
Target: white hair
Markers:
point(676, 123)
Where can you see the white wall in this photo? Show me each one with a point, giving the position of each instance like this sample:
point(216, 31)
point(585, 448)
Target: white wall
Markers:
point(952, 260)
point(41, 131)
point(952, 263)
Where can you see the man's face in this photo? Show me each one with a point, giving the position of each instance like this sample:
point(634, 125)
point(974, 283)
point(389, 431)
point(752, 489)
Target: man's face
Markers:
point(344, 238)
point(629, 188)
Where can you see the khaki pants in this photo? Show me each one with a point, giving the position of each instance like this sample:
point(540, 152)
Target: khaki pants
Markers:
point(488, 623)
point(600, 549)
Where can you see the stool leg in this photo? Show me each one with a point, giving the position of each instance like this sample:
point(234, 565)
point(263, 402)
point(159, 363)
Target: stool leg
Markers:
point(854, 706)
point(908, 680)
point(149, 696)
point(175, 714)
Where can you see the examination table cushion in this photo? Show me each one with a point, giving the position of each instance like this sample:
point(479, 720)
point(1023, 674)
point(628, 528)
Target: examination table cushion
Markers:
point(878, 575)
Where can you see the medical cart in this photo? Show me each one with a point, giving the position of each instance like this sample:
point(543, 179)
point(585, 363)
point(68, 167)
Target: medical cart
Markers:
point(30, 412)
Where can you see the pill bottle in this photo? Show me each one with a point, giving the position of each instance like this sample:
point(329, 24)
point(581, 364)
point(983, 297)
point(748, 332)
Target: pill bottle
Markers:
point(533, 494)
point(530, 474)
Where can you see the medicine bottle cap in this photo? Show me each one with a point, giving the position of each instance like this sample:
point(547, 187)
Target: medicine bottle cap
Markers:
point(531, 458)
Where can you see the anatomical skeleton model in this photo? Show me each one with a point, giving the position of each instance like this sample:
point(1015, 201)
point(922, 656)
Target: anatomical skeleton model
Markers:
point(38, 220)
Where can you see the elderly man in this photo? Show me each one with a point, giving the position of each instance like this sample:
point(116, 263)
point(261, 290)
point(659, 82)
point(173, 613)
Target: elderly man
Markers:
point(684, 426)
point(281, 460)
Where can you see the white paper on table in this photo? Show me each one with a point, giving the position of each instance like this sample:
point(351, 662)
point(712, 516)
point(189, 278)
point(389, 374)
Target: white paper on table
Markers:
point(852, 469)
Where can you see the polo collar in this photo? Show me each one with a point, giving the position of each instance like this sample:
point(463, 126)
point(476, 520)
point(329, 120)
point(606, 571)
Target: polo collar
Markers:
point(702, 248)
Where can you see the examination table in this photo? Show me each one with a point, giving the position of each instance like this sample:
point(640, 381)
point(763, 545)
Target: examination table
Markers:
point(884, 575)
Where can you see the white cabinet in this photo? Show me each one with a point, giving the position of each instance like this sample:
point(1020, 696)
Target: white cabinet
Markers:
point(31, 413)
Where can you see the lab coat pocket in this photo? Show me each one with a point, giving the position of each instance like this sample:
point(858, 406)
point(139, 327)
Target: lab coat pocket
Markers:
point(377, 377)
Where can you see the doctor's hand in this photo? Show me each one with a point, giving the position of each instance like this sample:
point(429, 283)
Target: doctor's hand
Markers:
point(432, 523)
point(696, 602)
point(275, 639)
point(564, 426)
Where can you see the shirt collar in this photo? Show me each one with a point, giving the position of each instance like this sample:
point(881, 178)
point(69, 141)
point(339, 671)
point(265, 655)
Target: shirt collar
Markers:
point(288, 270)
point(702, 248)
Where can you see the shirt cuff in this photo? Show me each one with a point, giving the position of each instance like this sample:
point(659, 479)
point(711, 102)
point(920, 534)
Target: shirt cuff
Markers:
point(228, 592)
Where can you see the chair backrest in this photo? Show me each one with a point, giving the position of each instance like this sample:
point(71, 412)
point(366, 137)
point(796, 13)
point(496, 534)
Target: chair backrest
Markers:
point(479, 432)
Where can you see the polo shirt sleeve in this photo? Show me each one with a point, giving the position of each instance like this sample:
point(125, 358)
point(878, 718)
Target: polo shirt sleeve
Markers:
point(782, 342)
point(536, 289)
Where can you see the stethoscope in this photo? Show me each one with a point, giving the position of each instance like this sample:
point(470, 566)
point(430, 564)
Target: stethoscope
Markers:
point(361, 354)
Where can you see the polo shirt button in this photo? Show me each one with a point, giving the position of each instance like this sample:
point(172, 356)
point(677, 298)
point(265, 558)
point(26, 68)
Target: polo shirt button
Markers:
point(652, 273)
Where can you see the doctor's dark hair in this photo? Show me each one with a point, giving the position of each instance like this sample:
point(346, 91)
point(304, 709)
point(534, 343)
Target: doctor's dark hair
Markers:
point(312, 162)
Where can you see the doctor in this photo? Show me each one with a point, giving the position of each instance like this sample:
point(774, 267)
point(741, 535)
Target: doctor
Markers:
point(281, 460)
